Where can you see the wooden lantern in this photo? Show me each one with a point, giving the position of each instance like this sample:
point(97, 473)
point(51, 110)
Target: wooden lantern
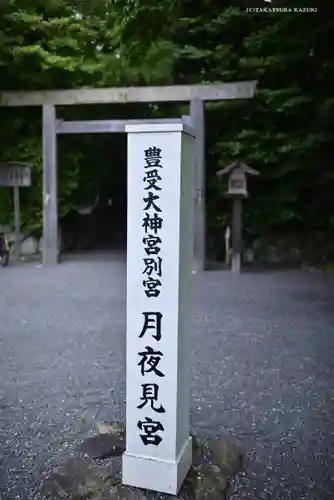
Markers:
point(237, 189)
point(237, 178)
point(237, 183)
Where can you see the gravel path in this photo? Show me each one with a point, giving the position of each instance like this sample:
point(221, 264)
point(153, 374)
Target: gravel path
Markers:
point(263, 347)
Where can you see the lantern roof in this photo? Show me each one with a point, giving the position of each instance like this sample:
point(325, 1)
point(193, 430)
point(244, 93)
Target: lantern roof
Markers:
point(237, 164)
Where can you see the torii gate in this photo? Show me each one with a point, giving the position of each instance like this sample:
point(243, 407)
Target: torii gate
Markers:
point(195, 94)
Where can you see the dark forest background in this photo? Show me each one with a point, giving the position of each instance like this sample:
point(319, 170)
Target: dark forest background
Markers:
point(286, 132)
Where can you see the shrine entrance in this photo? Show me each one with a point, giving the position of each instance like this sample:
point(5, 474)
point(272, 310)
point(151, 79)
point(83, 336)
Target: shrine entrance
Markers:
point(194, 94)
point(97, 223)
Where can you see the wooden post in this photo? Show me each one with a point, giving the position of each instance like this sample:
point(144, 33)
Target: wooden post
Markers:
point(17, 222)
point(197, 121)
point(237, 235)
point(160, 245)
point(50, 202)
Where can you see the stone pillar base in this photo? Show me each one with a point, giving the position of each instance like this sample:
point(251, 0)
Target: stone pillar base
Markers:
point(157, 475)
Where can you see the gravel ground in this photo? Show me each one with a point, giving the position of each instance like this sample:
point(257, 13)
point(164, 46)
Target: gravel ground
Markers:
point(263, 346)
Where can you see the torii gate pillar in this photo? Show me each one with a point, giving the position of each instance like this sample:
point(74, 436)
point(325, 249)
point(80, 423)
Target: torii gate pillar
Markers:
point(50, 187)
point(197, 122)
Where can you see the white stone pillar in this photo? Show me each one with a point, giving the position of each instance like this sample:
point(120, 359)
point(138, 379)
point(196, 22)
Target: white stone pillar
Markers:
point(159, 259)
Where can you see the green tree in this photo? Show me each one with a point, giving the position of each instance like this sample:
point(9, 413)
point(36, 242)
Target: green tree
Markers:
point(45, 45)
point(286, 131)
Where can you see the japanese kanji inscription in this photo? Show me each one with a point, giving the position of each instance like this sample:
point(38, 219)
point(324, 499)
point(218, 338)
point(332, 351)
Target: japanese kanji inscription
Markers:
point(159, 258)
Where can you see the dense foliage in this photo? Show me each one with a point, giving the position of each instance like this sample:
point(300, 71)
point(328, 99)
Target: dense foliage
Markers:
point(286, 132)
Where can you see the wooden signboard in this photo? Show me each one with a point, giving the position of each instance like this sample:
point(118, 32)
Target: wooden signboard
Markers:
point(14, 174)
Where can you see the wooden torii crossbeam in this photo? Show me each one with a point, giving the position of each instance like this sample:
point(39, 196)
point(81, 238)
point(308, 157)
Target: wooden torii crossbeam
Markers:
point(49, 99)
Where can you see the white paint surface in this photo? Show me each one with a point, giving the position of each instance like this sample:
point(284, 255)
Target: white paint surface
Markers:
point(163, 467)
